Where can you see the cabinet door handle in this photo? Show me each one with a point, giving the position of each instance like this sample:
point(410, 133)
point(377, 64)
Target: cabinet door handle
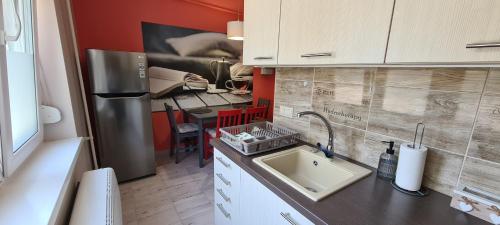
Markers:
point(321, 54)
point(483, 45)
point(263, 57)
point(288, 218)
point(223, 179)
point(223, 211)
point(224, 196)
point(225, 164)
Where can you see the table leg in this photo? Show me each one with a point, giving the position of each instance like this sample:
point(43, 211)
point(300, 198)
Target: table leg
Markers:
point(185, 116)
point(200, 142)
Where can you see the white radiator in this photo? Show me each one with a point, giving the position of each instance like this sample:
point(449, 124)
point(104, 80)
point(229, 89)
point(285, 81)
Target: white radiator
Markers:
point(98, 199)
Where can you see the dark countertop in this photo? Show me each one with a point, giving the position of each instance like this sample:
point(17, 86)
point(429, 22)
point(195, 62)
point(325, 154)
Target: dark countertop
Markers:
point(368, 201)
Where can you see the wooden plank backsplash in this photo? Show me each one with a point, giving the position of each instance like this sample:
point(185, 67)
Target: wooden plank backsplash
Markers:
point(459, 106)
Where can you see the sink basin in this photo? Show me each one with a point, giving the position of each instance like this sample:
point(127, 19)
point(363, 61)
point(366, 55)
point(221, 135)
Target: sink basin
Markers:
point(312, 174)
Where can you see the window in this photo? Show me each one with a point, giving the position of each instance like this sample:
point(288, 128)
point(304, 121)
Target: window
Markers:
point(20, 125)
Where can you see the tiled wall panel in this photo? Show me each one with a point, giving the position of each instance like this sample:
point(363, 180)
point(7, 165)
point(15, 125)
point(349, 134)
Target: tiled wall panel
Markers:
point(459, 106)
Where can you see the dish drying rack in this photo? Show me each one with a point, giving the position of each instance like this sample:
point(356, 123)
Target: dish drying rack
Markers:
point(264, 136)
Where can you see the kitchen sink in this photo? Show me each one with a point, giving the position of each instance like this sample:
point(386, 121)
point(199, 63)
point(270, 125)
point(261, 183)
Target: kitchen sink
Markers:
point(310, 173)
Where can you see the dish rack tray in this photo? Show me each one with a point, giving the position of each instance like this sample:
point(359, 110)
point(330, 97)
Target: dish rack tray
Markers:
point(266, 136)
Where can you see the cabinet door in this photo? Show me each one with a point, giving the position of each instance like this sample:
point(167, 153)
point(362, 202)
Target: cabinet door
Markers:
point(260, 46)
point(289, 215)
point(257, 205)
point(430, 31)
point(334, 31)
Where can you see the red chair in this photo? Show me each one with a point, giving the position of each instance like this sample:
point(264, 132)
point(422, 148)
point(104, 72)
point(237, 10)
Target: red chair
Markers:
point(225, 118)
point(255, 114)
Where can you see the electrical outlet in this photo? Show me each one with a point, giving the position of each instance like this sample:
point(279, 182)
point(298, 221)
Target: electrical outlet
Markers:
point(286, 111)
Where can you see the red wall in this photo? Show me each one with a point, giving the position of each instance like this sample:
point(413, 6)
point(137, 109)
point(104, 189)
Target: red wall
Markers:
point(116, 25)
point(263, 87)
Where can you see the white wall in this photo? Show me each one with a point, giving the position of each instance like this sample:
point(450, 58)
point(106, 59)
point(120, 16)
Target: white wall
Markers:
point(54, 81)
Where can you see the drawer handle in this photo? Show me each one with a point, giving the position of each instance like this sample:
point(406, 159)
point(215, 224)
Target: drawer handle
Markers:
point(321, 54)
point(224, 196)
point(223, 211)
point(483, 45)
point(263, 57)
point(225, 164)
point(228, 183)
point(288, 218)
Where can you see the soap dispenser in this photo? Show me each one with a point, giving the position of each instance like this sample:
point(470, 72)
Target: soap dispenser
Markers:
point(387, 163)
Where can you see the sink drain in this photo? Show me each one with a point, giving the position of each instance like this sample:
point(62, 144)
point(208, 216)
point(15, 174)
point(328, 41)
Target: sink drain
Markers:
point(311, 189)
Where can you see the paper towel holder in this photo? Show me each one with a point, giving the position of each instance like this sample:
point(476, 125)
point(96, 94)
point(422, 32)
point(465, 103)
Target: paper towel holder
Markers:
point(423, 191)
point(421, 135)
point(420, 193)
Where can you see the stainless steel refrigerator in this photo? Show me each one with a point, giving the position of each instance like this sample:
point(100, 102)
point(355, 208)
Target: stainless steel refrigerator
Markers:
point(122, 112)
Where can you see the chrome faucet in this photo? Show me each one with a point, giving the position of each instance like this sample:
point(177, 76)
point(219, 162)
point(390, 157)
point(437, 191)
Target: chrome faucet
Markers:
point(328, 150)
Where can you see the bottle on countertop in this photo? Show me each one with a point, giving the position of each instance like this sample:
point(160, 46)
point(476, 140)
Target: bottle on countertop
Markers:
point(387, 163)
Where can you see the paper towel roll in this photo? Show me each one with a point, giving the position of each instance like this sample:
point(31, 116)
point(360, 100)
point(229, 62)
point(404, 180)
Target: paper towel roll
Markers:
point(410, 168)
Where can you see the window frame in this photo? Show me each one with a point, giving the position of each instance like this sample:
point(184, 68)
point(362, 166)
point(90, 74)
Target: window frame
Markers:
point(1, 159)
point(12, 160)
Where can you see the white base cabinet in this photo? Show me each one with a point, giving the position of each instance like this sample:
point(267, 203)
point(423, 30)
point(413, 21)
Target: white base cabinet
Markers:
point(226, 190)
point(250, 201)
point(259, 205)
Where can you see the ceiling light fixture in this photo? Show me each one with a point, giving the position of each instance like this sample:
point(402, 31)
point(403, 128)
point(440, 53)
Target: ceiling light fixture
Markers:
point(235, 29)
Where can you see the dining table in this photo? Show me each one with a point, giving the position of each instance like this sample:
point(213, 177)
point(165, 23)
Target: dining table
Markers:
point(207, 115)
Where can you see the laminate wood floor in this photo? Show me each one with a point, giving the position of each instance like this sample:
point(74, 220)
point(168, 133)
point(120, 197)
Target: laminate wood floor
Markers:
point(179, 194)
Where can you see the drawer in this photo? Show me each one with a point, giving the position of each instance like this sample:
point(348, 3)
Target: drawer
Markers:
point(225, 168)
point(228, 187)
point(228, 193)
point(288, 215)
point(226, 190)
point(224, 162)
point(224, 212)
point(227, 179)
point(228, 175)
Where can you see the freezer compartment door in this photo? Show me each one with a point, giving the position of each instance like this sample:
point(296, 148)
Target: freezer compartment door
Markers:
point(125, 135)
point(117, 72)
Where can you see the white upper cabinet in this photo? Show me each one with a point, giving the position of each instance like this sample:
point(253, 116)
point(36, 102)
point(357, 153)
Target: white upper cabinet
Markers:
point(438, 31)
point(261, 29)
point(315, 32)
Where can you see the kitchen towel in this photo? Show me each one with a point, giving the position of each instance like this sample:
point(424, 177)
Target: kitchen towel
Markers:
point(410, 167)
